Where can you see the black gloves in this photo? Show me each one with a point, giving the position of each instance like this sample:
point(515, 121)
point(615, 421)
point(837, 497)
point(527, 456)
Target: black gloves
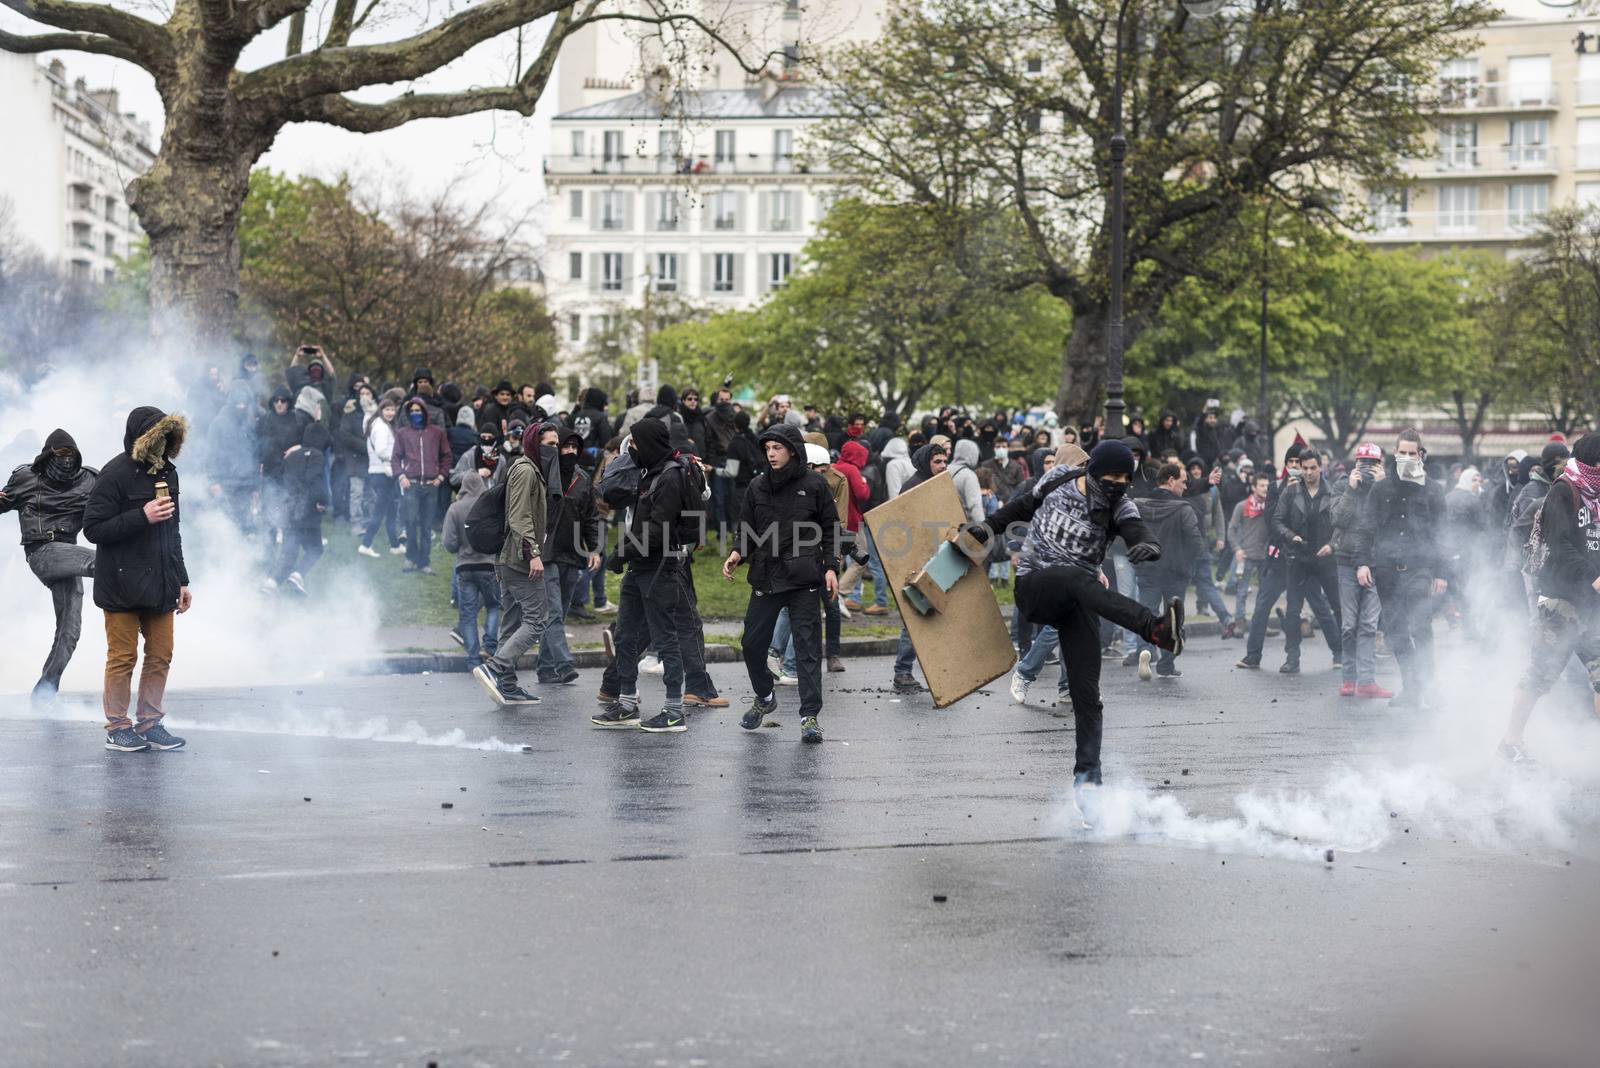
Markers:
point(978, 532)
point(1144, 552)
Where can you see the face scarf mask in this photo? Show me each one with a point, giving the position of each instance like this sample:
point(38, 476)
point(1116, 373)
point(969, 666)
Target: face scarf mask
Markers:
point(60, 468)
point(1410, 469)
point(569, 465)
point(417, 419)
point(1111, 492)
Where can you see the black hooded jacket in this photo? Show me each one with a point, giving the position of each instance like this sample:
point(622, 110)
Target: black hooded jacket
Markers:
point(48, 510)
point(922, 460)
point(574, 524)
point(302, 478)
point(590, 421)
point(277, 433)
point(789, 531)
point(138, 565)
point(667, 499)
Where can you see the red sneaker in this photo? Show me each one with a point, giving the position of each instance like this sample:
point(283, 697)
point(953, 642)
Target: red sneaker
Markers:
point(1347, 690)
point(1374, 691)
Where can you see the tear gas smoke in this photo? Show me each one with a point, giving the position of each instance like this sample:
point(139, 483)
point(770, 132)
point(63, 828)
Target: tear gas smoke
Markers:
point(233, 634)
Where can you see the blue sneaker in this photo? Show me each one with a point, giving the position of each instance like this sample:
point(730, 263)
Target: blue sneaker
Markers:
point(160, 738)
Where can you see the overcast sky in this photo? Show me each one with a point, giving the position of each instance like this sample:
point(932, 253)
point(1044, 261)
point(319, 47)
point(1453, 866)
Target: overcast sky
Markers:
point(493, 155)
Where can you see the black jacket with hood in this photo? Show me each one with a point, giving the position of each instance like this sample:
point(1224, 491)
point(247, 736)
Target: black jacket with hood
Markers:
point(574, 524)
point(790, 530)
point(1172, 522)
point(666, 493)
point(48, 510)
point(277, 433)
point(138, 565)
point(302, 479)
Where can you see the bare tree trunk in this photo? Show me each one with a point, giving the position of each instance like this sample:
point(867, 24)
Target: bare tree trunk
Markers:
point(1083, 368)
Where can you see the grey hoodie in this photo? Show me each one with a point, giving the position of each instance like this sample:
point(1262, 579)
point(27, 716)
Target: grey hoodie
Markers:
point(897, 465)
point(455, 526)
point(964, 469)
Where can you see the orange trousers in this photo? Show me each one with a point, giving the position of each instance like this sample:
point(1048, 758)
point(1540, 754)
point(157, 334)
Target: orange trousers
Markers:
point(122, 651)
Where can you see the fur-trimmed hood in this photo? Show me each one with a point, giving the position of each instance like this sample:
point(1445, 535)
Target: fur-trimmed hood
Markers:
point(153, 437)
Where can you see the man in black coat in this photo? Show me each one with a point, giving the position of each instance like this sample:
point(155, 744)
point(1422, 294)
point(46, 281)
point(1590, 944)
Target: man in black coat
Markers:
point(788, 534)
point(571, 548)
point(1302, 526)
point(49, 495)
point(132, 517)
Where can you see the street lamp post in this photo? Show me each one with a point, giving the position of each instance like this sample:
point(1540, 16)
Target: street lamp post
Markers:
point(1115, 405)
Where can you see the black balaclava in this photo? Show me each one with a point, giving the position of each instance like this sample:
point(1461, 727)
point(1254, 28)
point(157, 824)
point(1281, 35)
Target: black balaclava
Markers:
point(569, 460)
point(61, 469)
point(652, 442)
point(1110, 458)
point(1553, 458)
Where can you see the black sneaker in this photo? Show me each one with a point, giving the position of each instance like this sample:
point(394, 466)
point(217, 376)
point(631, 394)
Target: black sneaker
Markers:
point(1290, 667)
point(809, 731)
point(757, 712)
point(665, 722)
point(455, 636)
point(1249, 664)
point(483, 675)
point(126, 740)
point(615, 716)
point(161, 738)
point(1130, 660)
point(1110, 652)
point(582, 615)
point(514, 694)
point(1169, 673)
point(907, 684)
point(569, 677)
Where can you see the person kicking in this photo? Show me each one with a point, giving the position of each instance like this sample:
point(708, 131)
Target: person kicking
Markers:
point(1073, 514)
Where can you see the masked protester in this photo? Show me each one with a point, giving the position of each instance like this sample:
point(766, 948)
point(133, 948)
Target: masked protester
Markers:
point(476, 584)
point(519, 569)
point(49, 496)
point(1360, 609)
point(483, 457)
point(1543, 470)
point(1302, 525)
point(307, 501)
point(788, 534)
point(1565, 562)
point(572, 548)
point(132, 517)
point(420, 463)
point(1073, 515)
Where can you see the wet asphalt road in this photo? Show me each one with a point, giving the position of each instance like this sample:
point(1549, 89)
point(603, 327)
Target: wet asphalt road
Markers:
point(903, 894)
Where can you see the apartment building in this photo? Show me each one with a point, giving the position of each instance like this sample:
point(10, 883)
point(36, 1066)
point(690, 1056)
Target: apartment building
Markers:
point(1518, 133)
point(702, 192)
point(70, 154)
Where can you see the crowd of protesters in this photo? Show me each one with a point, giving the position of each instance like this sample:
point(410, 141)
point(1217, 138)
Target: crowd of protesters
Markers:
point(1376, 548)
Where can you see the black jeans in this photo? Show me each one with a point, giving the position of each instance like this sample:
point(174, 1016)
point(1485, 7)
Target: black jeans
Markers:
point(805, 624)
point(1274, 577)
point(62, 567)
point(647, 609)
point(1315, 580)
point(385, 493)
point(301, 549)
point(1407, 601)
point(417, 507)
point(692, 639)
point(1156, 590)
point(1073, 601)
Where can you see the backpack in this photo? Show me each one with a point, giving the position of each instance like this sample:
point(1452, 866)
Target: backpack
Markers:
point(876, 474)
point(1536, 551)
point(486, 521)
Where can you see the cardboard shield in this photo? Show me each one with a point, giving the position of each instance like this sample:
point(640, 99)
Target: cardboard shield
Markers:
point(950, 611)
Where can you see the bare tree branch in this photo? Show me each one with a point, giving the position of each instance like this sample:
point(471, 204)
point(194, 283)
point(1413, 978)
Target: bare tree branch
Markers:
point(77, 42)
point(147, 44)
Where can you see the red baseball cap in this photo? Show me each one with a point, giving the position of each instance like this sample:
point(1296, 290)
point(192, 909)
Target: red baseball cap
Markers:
point(1368, 451)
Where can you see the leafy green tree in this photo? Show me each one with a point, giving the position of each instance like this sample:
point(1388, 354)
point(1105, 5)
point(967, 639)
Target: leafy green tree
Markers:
point(966, 102)
point(896, 305)
point(1555, 291)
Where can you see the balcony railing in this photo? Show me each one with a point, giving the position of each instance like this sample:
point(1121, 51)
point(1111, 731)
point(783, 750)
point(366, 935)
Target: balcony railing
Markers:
point(1453, 225)
point(1466, 95)
point(750, 163)
point(1470, 158)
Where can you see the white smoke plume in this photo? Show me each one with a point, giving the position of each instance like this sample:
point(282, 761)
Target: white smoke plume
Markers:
point(234, 634)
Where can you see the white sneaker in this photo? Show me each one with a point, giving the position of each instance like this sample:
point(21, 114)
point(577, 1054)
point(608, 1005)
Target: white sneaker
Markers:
point(787, 680)
point(844, 613)
point(397, 550)
point(367, 550)
point(775, 665)
point(1019, 688)
point(296, 581)
point(1086, 805)
point(607, 609)
point(270, 586)
point(1144, 665)
point(651, 665)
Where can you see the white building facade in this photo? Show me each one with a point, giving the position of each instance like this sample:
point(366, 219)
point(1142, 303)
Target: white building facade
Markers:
point(70, 154)
point(705, 193)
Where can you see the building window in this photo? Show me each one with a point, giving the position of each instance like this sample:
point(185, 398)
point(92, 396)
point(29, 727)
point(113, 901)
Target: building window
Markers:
point(1589, 78)
point(782, 150)
point(611, 272)
point(575, 266)
point(1458, 82)
point(727, 144)
point(1386, 210)
point(780, 264)
point(1587, 194)
point(1528, 81)
point(791, 56)
point(781, 208)
point(577, 145)
point(1458, 146)
point(724, 211)
point(575, 203)
point(1033, 122)
point(1035, 64)
point(669, 146)
point(1458, 207)
point(111, 246)
point(575, 327)
point(1525, 202)
point(1529, 143)
point(722, 273)
point(1588, 144)
point(667, 216)
point(666, 272)
point(613, 146)
point(613, 210)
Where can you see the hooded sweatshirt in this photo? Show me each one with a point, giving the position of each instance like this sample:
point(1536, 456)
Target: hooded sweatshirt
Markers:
point(897, 465)
point(419, 455)
point(50, 495)
point(304, 486)
point(454, 538)
point(790, 529)
point(964, 469)
point(666, 493)
point(852, 458)
point(277, 432)
point(138, 564)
